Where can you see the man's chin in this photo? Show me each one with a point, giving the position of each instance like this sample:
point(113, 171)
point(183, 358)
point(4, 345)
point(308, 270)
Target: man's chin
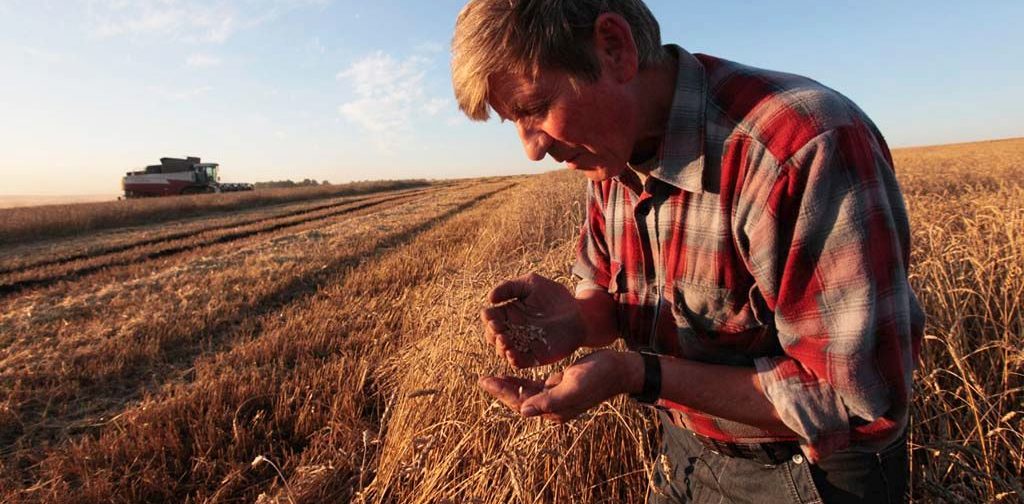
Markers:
point(593, 173)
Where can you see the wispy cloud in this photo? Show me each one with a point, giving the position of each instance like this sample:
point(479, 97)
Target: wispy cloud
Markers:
point(435, 105)
point(42, 55)
point(315, 46)
point(430, 47)
point(390, 96)
point(194, 21)
point(202, 60)
point(178, 93)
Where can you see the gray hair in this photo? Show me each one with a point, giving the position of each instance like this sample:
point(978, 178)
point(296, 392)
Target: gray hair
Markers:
point(522, 37)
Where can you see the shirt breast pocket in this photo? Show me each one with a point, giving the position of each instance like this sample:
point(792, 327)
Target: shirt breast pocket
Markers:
point(725, 326)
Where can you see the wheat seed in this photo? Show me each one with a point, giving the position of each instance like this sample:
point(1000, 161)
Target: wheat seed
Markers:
point(520, 336)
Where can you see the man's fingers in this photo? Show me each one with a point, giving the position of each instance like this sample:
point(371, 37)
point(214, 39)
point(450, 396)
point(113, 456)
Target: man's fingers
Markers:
point(544, 403)
point(489, 333)
point(494, 314)
point(500, 346)
point(521, 360)
point(536, 405)
point(552, 402)
point(493, 319)
point(510, 390)
point(501, 389)
point(553, 380)
point(514, 357)
point(519, 288)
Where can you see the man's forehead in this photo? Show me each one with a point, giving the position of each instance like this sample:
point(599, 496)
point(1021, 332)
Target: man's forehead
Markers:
point(507, 86)
point(511, 88)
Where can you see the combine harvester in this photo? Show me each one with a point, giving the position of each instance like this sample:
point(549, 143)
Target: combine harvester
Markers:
point(174, 176)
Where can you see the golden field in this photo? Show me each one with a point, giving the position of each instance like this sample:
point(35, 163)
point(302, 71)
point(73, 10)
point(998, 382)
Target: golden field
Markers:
point(328, 350)
point(12, 201)
point(46, 219)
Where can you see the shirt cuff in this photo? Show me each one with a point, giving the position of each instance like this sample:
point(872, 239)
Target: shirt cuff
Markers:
point(807, 405)
point(590, 277)
point(587, 284)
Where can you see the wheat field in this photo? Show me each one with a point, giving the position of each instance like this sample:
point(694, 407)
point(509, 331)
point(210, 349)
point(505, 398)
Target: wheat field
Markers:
point(328, 351)
point(33, 223)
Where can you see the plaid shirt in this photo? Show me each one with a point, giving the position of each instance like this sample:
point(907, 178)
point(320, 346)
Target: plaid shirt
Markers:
point(771, 233)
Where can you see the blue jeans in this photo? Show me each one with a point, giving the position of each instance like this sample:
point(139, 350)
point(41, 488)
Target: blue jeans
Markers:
point(688, 472)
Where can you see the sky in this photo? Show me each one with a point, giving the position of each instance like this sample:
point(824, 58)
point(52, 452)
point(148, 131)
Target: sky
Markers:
point(345, 90)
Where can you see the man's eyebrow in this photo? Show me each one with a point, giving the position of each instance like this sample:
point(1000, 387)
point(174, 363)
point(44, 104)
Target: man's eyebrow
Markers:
point(526, 102)
point(520, 102)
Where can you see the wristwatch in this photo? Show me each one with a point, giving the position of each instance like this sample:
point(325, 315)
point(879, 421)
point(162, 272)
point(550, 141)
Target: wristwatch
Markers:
point(652, 379)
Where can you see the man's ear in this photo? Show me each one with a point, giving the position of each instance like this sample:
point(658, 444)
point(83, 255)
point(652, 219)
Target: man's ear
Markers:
point(615, 48)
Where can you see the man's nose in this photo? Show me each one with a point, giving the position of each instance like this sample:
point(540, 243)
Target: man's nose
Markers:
point(535, 141)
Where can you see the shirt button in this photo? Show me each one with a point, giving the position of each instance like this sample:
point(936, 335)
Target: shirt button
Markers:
point(654, 290)
point(798, 459)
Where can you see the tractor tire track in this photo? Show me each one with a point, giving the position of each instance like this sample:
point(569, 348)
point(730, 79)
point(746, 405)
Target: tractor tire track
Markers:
point(19, 286)
point(191, 233)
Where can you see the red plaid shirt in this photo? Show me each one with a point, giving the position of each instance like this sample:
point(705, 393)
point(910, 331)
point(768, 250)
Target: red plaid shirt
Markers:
point(771, 234)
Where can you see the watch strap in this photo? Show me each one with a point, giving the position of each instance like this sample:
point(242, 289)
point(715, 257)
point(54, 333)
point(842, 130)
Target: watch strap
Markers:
point(651, 391)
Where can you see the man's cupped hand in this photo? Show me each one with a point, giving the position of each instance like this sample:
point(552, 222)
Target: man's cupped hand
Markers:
point(534, 321)
point(565, 395)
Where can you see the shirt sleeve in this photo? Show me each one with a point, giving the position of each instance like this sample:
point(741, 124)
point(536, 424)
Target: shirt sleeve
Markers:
point(592, 265)
point(829, 249)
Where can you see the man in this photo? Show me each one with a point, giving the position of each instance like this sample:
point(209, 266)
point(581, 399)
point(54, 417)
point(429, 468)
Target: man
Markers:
point(745, 236)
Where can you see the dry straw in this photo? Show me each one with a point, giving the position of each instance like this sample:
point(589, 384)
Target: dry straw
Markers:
point(371, 362)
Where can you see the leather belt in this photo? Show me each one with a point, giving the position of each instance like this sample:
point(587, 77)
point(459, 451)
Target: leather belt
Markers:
point(774, 453)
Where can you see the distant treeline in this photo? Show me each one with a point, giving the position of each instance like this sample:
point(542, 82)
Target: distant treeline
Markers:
point(274, 184)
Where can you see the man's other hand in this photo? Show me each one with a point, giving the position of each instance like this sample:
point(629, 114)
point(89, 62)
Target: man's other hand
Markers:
point(510, 390)
point(535, 321)
point(587, 383)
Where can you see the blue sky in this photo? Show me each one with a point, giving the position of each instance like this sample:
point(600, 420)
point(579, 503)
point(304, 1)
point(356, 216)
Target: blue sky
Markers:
point(345, 90)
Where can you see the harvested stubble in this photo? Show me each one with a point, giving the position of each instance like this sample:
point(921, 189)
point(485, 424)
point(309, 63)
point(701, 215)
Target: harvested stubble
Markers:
point(32, 254)
point(278, 356)
point(357, 400)
point(244, 230)
point(34, 223)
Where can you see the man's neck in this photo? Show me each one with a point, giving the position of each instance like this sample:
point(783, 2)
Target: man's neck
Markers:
point(656, 87)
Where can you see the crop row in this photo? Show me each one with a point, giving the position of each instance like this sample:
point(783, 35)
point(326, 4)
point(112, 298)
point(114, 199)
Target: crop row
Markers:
point(50, 272)
point(28, 224)
point(32, 257)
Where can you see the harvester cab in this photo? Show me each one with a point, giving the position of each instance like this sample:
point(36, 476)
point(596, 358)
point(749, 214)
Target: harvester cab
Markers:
point(205, 173)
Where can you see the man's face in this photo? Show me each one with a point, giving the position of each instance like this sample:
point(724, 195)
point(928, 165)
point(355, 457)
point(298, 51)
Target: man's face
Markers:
point(588, 128)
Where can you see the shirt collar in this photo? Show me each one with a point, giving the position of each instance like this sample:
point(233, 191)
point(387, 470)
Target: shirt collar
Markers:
point(680, 161)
